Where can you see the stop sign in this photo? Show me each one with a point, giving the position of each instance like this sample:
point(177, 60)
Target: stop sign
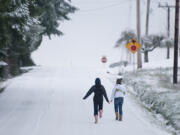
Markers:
point(104, 59)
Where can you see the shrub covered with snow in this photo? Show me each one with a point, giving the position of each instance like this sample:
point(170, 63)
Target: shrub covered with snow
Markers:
point(156, 92)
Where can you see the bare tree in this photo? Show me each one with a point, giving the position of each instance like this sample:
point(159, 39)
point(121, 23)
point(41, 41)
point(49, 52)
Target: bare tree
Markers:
point(149, 43)
point(126, 36)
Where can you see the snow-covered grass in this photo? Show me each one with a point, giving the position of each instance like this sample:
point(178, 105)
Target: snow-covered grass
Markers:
point(155, 91)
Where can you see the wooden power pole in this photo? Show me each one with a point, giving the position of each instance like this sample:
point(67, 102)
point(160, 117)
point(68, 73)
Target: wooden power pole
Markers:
point(176, 34)
point(147, 17)
point(139, 58)
point(168, 7)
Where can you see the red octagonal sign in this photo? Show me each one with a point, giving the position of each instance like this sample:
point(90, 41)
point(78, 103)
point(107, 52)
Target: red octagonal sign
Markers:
point(104, 59)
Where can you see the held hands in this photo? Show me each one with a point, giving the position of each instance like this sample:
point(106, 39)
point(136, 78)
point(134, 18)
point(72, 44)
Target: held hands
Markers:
point(110, 102)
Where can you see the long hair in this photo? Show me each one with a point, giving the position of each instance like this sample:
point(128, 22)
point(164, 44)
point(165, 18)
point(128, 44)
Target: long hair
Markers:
point(119, 81)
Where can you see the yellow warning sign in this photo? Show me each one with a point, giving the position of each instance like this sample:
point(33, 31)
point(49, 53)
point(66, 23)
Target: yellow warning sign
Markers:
point(133, 46)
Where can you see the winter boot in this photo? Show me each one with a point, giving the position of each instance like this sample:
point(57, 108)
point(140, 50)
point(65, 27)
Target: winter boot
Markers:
point(96, 119)
point(116, 115)
point(100, 114)
point(120, 117)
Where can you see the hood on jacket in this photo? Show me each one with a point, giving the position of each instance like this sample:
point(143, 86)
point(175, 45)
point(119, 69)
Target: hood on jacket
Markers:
point(97, 82)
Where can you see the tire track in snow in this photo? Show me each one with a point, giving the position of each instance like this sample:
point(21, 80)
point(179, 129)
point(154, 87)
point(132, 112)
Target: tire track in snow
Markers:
point(45, 110)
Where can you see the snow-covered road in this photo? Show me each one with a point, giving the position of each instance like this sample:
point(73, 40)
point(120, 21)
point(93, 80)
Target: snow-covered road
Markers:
point(48, 101)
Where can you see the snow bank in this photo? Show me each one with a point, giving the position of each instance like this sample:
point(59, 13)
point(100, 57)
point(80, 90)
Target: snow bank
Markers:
point(3, 85)
point(157, 94)
point(2, 63)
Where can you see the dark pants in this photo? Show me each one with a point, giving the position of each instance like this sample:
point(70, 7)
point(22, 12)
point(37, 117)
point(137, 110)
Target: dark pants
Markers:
point(98, 105)
point(118, 102)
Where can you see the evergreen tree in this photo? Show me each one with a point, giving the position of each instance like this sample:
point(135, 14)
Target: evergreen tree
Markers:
point(23, 23)
point(52, 13)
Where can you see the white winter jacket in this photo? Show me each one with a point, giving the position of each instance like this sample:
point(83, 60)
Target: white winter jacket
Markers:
point(118, 91)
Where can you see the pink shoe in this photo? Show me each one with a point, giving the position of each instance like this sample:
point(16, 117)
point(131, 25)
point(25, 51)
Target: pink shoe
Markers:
point(96, 119)
point(100, 114)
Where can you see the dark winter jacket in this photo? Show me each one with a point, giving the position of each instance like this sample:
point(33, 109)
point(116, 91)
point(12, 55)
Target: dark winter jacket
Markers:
point(99, 92)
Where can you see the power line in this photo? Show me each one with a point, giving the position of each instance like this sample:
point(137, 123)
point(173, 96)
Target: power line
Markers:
point(105, 7)
point(154, 9)
point(94, 2)
point(166, 6)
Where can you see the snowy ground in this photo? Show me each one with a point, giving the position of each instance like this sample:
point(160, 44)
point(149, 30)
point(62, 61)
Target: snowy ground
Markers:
point(49, 101)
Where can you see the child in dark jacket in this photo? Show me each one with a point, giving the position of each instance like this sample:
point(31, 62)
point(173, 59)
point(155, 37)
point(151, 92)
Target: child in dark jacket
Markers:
point(99, 92)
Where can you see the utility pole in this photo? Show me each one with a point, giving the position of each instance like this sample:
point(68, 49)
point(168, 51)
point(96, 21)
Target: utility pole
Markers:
point(176, 34)
point(168, 7)
point(147, 31)
point(168, 20)
point(147, 17)
point(139, 58)
point(168, 33)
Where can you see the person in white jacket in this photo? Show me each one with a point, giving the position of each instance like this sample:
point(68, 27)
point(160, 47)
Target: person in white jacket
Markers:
point(118, 94)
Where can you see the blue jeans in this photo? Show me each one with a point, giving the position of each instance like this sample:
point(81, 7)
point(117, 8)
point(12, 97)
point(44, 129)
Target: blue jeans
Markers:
point(118, 102)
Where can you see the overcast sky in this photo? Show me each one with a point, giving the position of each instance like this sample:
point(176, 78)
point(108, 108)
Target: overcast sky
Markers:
point(94, 29)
